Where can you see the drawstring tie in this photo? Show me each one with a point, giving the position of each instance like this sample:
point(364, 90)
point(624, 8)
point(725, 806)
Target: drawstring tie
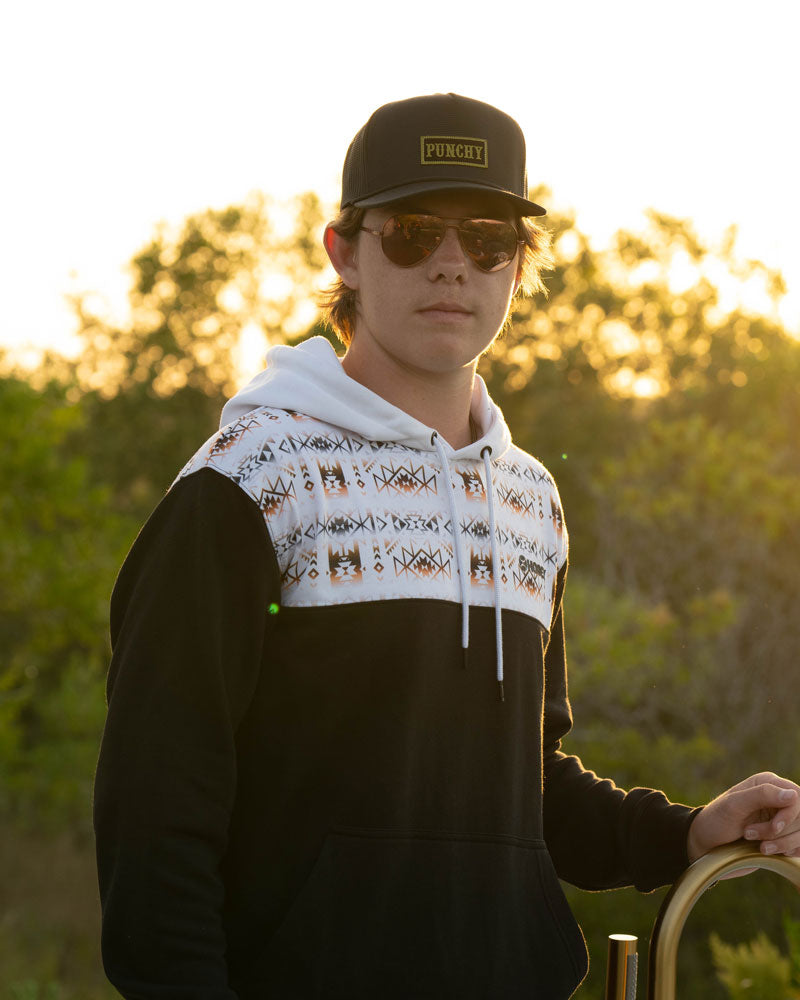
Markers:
point(486, 454)
point(463, 577)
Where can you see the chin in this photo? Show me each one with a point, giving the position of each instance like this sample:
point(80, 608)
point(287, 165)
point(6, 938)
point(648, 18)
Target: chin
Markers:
point(442, 357)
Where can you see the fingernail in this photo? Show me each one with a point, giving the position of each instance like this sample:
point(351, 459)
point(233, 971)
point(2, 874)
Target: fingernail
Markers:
point(769, 848)
point(779, 826)
point(786, 794)
point(751, 834)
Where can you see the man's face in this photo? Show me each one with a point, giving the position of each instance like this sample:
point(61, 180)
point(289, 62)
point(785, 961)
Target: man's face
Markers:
point(438, 315)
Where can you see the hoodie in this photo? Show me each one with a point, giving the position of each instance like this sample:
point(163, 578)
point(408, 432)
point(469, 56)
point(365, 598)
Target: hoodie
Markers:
point(332, 763)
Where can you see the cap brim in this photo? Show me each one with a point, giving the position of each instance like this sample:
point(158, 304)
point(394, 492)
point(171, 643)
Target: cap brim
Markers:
point(522, 205)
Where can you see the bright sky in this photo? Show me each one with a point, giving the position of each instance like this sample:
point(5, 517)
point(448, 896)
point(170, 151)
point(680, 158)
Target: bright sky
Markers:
point(117, 115)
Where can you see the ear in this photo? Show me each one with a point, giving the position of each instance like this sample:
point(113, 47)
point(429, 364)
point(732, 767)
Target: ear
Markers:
point(342, 254)
point(517, 280)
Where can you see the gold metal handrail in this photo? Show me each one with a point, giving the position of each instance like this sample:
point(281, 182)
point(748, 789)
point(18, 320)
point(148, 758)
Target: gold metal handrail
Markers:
point(678, 903)
point(684, 894)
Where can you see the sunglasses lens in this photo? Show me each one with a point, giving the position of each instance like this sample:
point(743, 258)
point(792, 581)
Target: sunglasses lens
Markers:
point(489, 242)
point(407, 239)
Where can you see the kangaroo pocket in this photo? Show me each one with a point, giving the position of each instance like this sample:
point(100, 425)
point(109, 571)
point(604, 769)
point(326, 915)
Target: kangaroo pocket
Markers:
point(417, 917)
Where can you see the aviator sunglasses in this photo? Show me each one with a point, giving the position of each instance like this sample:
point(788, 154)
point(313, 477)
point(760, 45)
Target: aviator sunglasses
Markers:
point(409, 237)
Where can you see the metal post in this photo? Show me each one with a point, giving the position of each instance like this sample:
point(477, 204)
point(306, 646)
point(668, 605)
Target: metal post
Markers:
point(622, 967)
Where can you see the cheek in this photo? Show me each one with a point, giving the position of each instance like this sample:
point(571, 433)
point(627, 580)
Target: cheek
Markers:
point(384, 290)
point(372, 296)
point(500, 296)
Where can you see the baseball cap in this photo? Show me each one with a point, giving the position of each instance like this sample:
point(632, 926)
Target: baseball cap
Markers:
point(441, 142)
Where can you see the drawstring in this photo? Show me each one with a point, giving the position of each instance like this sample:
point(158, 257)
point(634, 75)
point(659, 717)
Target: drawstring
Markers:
point(486, 453)
point(462, 576)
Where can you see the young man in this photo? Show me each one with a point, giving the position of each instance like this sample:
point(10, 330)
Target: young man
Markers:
point(332, 766)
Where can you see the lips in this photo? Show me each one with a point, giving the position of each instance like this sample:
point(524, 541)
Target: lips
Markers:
point(446, 307)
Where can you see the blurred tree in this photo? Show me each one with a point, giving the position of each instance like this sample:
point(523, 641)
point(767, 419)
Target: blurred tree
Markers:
point(693, 514)
point(648, 695)
point(754, 971)
point(638, 688)
point(153, 389)
point(196, 289)
point(60, 546)
point(650, 325)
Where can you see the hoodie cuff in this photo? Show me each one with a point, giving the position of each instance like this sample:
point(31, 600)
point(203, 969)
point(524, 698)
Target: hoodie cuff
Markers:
point(660, 854)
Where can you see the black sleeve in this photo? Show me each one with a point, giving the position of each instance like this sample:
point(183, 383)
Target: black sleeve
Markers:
point(188, 619)
point(599, 836)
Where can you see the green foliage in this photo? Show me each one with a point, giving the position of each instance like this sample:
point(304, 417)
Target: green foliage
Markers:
point(50, 919)
point(637, 330)
point(31, 989)
point(667, 412)
point(757, 970)
point(753, 971)
point(791, 929)
point(152, 388)
point(195, 290)
point(59, 550)
point(701, 520)
point(637, 689)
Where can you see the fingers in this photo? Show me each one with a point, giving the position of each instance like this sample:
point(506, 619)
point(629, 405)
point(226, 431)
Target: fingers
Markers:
point(763, 831)
point(785, 818)
point(750, 802)
point(770, 778)
point(781, 833)
point(771, 843)
point(762, 778)
point(764, 808)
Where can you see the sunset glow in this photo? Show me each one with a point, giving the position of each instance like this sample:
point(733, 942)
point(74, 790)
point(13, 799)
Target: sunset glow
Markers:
point(129, 115)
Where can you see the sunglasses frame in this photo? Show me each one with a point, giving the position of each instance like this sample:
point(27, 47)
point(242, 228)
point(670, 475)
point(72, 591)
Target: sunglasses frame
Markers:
point(453, 224)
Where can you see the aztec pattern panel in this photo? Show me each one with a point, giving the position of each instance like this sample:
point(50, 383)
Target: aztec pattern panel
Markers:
point(353, 520)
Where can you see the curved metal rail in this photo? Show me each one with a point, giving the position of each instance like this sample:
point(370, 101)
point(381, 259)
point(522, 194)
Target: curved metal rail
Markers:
point(684, 894)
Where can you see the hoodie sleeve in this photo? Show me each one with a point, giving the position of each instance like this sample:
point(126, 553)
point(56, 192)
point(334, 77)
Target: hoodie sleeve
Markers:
point(189, 619)
point(599, 836)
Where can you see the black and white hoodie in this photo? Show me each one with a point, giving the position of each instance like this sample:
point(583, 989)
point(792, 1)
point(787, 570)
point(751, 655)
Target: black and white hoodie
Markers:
point(331, 768)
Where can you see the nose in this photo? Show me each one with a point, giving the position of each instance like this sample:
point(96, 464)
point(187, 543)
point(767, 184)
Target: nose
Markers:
point(448, 261)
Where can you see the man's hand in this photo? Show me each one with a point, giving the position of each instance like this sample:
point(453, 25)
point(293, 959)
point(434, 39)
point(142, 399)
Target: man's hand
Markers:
point(763, 808)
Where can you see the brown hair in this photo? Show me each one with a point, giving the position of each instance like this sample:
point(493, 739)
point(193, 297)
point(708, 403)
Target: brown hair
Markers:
point(339, 303)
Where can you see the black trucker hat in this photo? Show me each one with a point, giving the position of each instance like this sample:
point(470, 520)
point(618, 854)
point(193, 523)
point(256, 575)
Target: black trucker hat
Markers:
point(443, 142)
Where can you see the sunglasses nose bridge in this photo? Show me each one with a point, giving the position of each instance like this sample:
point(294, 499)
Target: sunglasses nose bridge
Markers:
point(451, 246)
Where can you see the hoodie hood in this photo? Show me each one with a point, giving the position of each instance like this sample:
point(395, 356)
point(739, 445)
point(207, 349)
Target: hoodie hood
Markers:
point(309, 379)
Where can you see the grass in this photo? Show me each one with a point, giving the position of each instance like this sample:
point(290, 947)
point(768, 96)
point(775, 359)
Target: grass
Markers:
point(49, 917)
